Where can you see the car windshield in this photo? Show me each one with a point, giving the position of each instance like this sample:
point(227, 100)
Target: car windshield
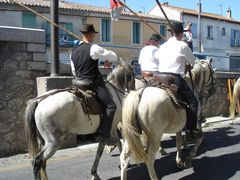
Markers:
point(200, 56)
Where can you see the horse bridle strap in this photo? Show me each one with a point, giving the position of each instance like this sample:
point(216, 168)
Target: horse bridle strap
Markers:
point(117, 90)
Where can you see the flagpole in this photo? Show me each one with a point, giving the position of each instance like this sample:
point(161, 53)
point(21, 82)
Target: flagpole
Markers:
point(124, 5)
point(49, 20)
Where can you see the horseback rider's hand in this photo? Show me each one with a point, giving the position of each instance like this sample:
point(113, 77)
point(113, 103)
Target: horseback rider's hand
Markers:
point(188, 67)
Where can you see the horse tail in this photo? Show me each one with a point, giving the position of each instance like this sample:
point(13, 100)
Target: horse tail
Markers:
point(30, 128)
point(130, 127)
point(234, 100)
point(32, 134)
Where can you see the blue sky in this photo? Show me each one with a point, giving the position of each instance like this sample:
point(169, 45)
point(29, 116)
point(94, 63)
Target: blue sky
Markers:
point(210, 6)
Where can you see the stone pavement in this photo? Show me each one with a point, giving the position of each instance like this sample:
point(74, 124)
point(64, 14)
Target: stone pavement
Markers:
point(23, 159)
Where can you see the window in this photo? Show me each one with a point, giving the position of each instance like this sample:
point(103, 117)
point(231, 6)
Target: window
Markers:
point(136, 33)
point(223, 31)
point(194, 30)
point(163, 33)
point(65, 40)
point(106, 30)
point(209, 32)
point(28, 20)
point(235, 38)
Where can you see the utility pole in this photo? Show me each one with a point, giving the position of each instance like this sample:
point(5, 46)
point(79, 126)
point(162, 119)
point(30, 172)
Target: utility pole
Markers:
point(199, 26)
point(54, 38)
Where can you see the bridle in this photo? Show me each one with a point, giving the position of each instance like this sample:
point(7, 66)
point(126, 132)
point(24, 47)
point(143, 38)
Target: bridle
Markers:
point(208, 87)
point(129, 77)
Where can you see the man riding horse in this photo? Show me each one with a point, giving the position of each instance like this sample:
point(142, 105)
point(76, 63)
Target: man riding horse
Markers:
point(173, 56)
point(84, 64)
point(148, 58)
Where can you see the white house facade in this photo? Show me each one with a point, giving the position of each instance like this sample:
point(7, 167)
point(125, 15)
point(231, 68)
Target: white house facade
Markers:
point(220, 35)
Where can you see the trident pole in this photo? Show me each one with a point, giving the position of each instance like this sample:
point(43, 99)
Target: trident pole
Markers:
point(199, 26)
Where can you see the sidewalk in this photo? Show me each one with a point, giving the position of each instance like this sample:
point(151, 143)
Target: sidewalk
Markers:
point(23, 159)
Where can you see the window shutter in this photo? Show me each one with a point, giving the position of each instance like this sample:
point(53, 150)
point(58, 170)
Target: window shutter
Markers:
point(232, 38)
point(28, 20)
point(69, 26)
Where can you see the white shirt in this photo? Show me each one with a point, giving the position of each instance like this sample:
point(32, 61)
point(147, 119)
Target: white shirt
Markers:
point(97, 52)
point(173, 55)
point(148, 58)
point(188, 36)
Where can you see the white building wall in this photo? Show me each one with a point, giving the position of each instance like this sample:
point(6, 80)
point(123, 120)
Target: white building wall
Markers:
point(219, 47)
point(11, 18)
point(171, 14)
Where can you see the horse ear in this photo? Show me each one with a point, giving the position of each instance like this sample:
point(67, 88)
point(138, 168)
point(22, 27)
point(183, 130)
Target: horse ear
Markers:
point(210, 60)
point(123, 62)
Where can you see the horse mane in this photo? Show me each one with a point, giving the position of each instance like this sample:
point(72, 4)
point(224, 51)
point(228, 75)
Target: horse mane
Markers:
point(196, 71)
point(118, 77)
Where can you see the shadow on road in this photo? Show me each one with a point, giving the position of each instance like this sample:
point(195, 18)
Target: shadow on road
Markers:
point(212, 166)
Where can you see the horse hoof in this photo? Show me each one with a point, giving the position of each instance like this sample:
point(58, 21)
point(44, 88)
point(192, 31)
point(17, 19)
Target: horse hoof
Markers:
point(96, 178)
point(188, 164)
point(163, 152)
point(109, 149)
point(180, 165)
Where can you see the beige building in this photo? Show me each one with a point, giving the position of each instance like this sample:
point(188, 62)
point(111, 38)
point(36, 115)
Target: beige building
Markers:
point(126, 37)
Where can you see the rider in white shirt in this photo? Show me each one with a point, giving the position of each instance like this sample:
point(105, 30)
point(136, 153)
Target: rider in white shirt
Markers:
point(148, 58)
point(173, 57)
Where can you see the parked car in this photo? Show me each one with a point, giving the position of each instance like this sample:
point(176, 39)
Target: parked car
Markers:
point(200, 56)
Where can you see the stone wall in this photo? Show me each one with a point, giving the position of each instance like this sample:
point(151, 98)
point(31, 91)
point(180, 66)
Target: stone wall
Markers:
point(22, 59)
point(218, 103)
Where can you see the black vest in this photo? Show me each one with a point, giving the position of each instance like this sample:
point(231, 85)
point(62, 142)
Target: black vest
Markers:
point(85, 66)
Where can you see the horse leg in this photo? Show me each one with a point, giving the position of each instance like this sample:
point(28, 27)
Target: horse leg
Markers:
point(179, 146)
point(161, 150)
point(124, 160)
point(39, 163)
point(151, 150)
point(119, 144)
point(193, 153)
point(96, 161)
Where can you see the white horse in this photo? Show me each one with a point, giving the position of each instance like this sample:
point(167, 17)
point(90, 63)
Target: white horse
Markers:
point(49, 120)
point(149, 112)
point(236, 96)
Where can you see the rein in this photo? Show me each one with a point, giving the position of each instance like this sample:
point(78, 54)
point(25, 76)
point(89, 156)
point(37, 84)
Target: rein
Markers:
point(116, 91)
point(209, 86)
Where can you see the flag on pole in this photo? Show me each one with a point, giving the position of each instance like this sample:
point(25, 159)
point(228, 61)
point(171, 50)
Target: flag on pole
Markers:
point(116, 9)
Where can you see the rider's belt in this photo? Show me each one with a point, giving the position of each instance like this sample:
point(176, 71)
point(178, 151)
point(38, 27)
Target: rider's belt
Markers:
point(166, 78)
point(83, 84)
point(147, 74)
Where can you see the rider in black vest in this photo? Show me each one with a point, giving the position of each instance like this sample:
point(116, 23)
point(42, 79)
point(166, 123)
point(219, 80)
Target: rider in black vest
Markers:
point(84, 63)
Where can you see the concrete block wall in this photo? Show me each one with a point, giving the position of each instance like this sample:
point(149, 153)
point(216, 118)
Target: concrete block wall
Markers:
point(22, 59)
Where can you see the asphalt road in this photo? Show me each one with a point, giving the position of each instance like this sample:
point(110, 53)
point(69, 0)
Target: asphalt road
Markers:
point(218, 159)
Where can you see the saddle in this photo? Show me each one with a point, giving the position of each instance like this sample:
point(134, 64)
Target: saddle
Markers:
point(166, 82)
point(87, 97)
point(147, 74)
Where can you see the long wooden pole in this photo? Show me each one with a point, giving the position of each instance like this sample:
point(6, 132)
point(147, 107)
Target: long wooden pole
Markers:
point(47, 19)
point(169, 23)
point(124, 5)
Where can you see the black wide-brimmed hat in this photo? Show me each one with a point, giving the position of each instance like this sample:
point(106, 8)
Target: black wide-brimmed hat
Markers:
point(177, 27)
point(155, 37)
point(88, 28)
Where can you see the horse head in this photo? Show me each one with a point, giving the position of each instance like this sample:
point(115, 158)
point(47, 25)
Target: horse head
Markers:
point(203, 80)
point(122, 77)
